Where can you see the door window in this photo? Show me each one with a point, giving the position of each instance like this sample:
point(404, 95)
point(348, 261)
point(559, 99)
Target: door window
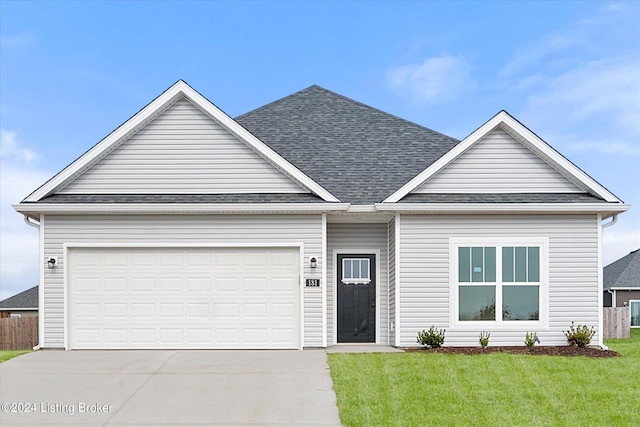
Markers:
point(355, 270)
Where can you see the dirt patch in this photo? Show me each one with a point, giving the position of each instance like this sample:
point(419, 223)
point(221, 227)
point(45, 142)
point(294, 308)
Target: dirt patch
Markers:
point(540, 351)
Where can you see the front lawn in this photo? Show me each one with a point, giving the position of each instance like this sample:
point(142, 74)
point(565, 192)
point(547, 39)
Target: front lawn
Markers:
point(416, 389)
point(10, 354)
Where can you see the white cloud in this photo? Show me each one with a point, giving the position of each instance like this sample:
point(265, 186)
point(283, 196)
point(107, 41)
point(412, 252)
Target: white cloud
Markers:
point(18, 242)
point(606, 147)
point(608, 87)
point(434, 80)
point(618, 242)
point(10, 150)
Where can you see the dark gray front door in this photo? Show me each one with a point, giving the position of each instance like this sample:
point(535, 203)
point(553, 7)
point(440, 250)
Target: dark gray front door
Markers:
point(356, 285)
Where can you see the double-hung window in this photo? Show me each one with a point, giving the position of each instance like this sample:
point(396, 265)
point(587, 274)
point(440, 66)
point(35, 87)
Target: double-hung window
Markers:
point(501, 282)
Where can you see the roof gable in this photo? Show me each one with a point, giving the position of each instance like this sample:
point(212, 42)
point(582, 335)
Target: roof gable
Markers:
point(497, 163)
point(182, 151)
point(623, 273)
point(180, 91)
point(359, 153)
point(550, 165)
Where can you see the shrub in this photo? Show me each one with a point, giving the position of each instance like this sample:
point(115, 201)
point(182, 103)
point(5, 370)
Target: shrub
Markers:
point(580, 336)
point(484, 339)
point(530, 339)
point(433, 338)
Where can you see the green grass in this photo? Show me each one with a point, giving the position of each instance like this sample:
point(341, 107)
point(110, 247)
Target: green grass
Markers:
point(417, 389)
point(10, 354)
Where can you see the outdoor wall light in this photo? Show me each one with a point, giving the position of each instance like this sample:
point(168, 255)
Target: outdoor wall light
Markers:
point(313, 262)
point(51, 262)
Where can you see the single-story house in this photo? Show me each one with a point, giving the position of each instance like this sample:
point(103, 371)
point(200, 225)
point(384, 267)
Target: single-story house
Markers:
point(23, 304)
point(312, 221)
point(622, 285)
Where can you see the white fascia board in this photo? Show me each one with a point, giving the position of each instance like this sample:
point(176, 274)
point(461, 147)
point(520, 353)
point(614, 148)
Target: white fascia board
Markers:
point(177, 208)
point(159, 104)
point(362, 209)
point(506, 120)
point(492, 208)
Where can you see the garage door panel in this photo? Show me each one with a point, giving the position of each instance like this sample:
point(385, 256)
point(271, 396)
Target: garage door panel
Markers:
point(184, 298)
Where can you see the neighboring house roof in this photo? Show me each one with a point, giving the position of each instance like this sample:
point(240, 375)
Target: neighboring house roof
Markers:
point(623, 273)
point(358, 153)
point(25, 300)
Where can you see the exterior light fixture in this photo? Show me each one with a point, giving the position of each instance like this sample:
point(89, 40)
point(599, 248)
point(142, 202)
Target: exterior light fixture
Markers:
point(313, 262)
point(51, 262)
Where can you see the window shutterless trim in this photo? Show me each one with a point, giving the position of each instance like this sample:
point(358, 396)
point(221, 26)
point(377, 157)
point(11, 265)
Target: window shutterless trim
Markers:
point(500, 324)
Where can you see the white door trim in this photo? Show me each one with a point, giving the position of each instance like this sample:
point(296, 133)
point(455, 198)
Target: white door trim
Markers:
point(334, 284)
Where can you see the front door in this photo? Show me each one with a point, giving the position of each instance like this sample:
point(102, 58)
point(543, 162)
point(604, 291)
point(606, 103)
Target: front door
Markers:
point(356, 298)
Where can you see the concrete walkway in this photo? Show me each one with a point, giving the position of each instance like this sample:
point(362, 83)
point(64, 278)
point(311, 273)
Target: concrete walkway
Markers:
point(157, 387)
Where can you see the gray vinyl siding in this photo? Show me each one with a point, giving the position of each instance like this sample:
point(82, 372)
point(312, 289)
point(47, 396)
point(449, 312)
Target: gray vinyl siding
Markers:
point(498, 164)
point(425, 272)
point(391, 233)
point(178, 229)
point(182, 151)
point(358, 236)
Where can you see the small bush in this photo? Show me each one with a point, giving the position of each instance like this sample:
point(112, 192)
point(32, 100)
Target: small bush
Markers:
point(530, 339)
point(580, 336)
point(484, 339)
point(433, 338)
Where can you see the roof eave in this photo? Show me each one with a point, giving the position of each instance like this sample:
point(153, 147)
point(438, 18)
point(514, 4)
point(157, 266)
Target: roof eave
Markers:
point(34, 210)
point(606, 209)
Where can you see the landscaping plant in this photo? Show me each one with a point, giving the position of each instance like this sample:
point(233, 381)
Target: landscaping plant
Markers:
point(484, 339)
point(580, 336)
point(433, 338)
point(530, 339)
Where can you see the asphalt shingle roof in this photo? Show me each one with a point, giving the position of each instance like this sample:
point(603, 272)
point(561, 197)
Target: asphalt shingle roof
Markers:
point(623, 273)
point(24, 300)
point(358, 153)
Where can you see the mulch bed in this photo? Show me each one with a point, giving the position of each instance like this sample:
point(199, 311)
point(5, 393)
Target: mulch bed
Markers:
point(542, 350)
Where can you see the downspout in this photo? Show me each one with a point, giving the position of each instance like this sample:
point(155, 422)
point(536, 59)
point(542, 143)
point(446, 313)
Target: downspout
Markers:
point(614, 219)
point(35, 225)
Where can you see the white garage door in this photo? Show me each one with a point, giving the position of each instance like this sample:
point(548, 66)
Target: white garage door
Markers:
point(183, 298)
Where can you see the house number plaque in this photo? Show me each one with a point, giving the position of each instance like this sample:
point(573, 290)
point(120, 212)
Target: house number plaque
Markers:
point(312, 283)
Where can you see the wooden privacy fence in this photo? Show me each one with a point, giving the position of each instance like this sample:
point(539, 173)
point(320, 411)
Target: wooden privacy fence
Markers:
point(18, 333)
point(617, 322)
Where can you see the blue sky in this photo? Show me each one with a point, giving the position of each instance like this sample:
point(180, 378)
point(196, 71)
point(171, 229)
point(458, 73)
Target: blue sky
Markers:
point(71, 72)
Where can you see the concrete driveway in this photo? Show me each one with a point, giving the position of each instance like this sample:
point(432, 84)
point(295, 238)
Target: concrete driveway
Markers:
point(168, 387)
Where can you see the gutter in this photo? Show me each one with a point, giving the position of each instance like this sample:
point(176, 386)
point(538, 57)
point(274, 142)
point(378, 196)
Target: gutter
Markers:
point(610, 223)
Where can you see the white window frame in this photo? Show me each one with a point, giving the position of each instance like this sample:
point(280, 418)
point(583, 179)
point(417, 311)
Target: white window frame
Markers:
point(543, 296)
point(360, 280)
point(632, 301)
